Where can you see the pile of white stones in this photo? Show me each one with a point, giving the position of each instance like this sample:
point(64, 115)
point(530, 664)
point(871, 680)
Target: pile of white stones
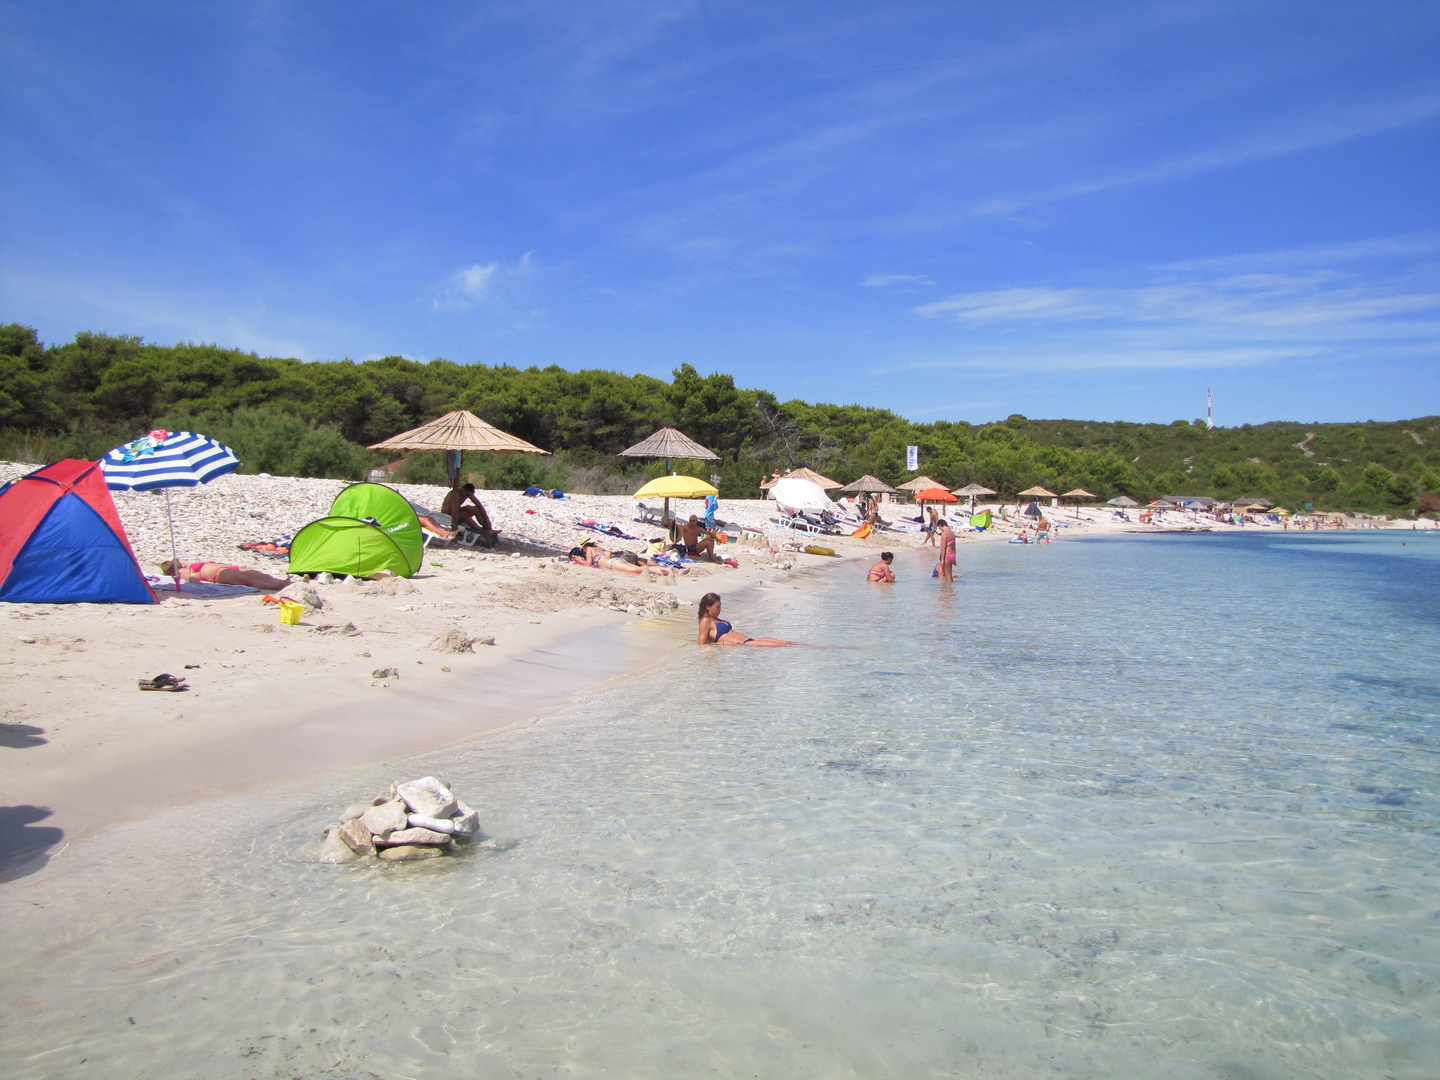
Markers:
point(421, 819)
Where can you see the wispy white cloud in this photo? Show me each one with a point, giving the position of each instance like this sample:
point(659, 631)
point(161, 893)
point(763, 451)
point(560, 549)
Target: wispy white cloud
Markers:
point(1353, 301)
point(1278, 139)
point(465, 287)
point(1376, 248)
point(1110, 355)
point(1254, 299)
point(482, 283)
point(879, 281)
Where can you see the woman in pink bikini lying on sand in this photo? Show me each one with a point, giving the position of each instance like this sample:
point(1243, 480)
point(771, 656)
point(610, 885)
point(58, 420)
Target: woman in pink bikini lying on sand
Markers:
point(213, 573)
point(592, 554)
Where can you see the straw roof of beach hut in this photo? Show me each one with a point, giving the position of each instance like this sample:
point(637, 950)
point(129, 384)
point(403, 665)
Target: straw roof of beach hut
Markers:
point(668, 443)
point(1077, 494)
point(973, 490)
point(868, 485)
point(811, 475)
point(1037, 491)
point(459, 430)
point(1122, 500)
point(920, 483)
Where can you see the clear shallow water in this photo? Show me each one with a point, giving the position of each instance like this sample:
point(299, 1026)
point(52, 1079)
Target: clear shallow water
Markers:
point(1152, 808)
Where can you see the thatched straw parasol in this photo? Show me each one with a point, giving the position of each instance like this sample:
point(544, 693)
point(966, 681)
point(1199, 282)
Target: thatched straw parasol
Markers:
point(1038, 492)
point(1077, 494)
point(1122, 500)
point(806, 474)
point(868, 485)
point(668, 443)
point(973, 490)
point(920, 483)
point(457, 433)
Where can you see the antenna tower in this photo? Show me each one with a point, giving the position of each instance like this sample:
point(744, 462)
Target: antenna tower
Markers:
point(1209, 410)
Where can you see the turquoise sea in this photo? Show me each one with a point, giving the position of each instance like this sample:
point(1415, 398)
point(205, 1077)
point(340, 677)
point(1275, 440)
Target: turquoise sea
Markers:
point(1149, 808)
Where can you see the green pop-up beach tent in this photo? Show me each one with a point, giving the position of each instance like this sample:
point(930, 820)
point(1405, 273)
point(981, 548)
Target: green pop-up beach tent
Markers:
point(370, 528)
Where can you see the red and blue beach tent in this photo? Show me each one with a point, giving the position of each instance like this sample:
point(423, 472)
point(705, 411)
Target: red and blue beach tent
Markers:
point(61, 541)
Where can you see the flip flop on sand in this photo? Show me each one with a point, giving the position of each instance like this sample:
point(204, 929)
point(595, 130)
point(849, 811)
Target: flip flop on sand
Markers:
point(163, 681)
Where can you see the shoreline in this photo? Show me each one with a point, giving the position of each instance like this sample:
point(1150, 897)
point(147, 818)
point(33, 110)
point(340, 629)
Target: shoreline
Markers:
point(271, 707)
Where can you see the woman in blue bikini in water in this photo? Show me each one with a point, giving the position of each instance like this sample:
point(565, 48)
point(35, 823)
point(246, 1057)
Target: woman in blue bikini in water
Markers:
point(716, 631)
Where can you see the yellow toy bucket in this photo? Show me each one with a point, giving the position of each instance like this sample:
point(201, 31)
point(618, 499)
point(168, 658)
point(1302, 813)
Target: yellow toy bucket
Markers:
point(290, 611)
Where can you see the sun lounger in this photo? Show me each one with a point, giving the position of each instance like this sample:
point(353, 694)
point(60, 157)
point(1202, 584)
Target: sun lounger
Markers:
point(464, 536)
point(605, 530)
point(649, 515)
point(798, 523)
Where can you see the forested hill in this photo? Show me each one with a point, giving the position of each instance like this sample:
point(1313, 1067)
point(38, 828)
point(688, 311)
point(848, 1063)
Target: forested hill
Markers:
point(287, 416)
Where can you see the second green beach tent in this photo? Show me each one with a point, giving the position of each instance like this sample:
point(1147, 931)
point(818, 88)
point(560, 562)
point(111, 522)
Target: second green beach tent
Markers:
point(370, 528)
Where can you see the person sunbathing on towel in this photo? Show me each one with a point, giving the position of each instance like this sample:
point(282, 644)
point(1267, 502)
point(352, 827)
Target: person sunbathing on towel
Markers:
point(465, 509)
point(213, 573)
point(591, 554)
point(716, 631)
point(697, 540)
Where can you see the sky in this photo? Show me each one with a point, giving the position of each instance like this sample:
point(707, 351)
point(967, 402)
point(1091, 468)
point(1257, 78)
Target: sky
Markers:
point(955, 210)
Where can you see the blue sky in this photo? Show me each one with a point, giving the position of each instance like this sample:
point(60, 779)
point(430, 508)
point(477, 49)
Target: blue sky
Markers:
point(955, 210)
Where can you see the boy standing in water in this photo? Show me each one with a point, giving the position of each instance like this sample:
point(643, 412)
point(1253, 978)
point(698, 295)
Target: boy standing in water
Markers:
point(946, 566)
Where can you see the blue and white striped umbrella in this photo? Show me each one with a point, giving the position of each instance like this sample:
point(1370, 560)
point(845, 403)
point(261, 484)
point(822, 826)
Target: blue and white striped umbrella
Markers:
point(166, 459)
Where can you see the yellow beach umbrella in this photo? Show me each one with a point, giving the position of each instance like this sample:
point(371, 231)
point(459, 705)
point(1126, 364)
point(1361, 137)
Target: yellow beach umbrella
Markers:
point(676, 487)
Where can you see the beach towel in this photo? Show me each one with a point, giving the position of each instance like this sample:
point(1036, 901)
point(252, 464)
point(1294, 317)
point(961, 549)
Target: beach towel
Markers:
point(606, 530)
point(279, 548)
point(206, 589)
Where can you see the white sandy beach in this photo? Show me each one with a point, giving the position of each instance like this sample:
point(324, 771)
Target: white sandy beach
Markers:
point(270, 703)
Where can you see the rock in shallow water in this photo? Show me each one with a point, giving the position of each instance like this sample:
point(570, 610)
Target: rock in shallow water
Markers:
point(403, 837)
point(466, 821)
point(336, 850)
point(410, 851)
point(355, 834)
point(428, 797)
point(384, 819)
point(420, 821)
point(354, 810)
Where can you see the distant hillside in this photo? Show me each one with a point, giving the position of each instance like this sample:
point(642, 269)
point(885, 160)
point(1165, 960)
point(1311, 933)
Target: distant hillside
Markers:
point(314, 419)
point(1368, 465)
